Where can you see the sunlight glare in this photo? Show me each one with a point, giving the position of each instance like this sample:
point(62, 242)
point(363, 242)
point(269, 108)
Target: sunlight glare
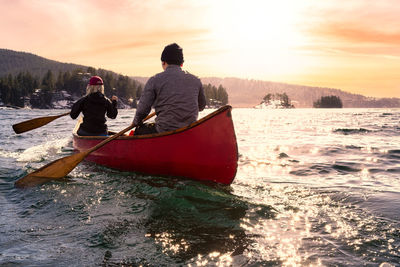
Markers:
point(266, 31)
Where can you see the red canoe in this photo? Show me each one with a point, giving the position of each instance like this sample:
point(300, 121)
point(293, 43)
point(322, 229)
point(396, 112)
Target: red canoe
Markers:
point(206, 150)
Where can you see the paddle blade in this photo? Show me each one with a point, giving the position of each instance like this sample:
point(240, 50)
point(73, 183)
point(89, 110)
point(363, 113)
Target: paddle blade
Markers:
point(34, 123)
point(52, 171)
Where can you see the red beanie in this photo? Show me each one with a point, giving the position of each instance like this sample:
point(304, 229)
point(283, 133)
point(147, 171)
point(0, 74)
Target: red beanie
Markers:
point(95, 80)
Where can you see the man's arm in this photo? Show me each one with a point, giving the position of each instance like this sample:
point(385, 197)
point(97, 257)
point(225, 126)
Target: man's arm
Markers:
point(202, 99)
point(146, 101)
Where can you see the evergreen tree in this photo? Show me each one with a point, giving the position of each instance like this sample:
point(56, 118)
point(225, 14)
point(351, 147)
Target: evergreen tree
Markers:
point(123, 86)
point(65, 80)
point(109, 84)
point(48, 84)
point(222, 95)
point(208, 93)
point(267, 98)
point(215, 97)
point(29, 83)
point(328, 102)
point(6, 89)
point(60, 81)
point(77, 83)
point(47, 87)
point(92, 71)
point(285, 100)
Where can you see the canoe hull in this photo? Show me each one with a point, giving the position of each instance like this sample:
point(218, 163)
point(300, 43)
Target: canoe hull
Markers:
point(206, 151)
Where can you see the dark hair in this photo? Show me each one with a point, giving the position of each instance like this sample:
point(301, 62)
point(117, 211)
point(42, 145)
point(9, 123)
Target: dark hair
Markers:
point(172, 54)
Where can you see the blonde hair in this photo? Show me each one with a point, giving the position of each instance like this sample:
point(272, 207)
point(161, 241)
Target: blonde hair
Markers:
point(90, 89)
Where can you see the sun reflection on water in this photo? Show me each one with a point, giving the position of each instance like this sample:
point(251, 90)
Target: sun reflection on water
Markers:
point(308, 219)
point(315, 189)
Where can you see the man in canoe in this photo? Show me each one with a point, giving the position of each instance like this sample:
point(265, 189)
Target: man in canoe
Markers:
point(94, 106)
point(176, 95)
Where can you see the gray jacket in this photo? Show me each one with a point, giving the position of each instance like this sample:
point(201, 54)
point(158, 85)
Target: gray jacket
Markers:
point(177, 97)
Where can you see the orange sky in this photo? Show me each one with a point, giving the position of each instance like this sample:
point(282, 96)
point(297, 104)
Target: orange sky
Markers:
point(352, 45)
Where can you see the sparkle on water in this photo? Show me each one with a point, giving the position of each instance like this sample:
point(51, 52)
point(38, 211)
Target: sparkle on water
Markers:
point(314, 187)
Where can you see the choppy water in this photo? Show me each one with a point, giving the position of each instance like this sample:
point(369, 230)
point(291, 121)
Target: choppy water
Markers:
point(314, 188)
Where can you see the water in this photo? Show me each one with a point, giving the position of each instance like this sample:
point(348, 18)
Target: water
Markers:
point(314, 187)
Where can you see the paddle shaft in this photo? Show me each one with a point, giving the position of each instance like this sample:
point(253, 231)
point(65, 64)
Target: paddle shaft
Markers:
point(35, 123)
point(90, 150)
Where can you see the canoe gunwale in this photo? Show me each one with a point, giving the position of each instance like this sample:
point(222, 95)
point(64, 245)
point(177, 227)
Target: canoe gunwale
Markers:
point(194, 124)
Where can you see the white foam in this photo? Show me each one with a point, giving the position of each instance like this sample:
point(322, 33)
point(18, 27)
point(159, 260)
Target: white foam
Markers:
point(36, 153)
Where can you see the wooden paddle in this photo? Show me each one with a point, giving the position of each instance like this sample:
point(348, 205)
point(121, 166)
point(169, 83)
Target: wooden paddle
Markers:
point(34, 123)
point(61, 167)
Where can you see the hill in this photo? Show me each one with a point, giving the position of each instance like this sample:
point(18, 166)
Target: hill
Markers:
point(13, 62)
point(249, 93)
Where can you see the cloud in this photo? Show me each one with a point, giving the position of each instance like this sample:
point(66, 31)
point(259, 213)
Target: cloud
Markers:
point(359, 27)
point(76, 25)
point(359, 34)
point(119, 42)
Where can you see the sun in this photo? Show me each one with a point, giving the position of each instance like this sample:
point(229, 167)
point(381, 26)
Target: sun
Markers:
point(261, 35)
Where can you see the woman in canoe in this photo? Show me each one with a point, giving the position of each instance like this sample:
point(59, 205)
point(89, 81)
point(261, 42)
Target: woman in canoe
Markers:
point(94, 106)
point(176, 95)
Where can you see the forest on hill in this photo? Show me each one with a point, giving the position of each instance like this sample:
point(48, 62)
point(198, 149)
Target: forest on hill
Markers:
point(24, 89)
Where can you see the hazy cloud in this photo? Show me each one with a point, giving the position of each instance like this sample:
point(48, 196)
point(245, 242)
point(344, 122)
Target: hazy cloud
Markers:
point(369, 27)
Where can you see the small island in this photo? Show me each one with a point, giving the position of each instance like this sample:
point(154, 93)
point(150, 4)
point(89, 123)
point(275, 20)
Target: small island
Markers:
point(275, 101)
point(328, 102)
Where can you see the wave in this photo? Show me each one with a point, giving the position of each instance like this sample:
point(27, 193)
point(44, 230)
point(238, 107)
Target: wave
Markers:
point(316, 169)
point(37, 153)
point(321, 169)
point(394, 170)
point(347, 131)
point(345, 168)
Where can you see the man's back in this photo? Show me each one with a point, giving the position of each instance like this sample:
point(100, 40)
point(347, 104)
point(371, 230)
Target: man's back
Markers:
point(176, 96)
point(177, 102)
